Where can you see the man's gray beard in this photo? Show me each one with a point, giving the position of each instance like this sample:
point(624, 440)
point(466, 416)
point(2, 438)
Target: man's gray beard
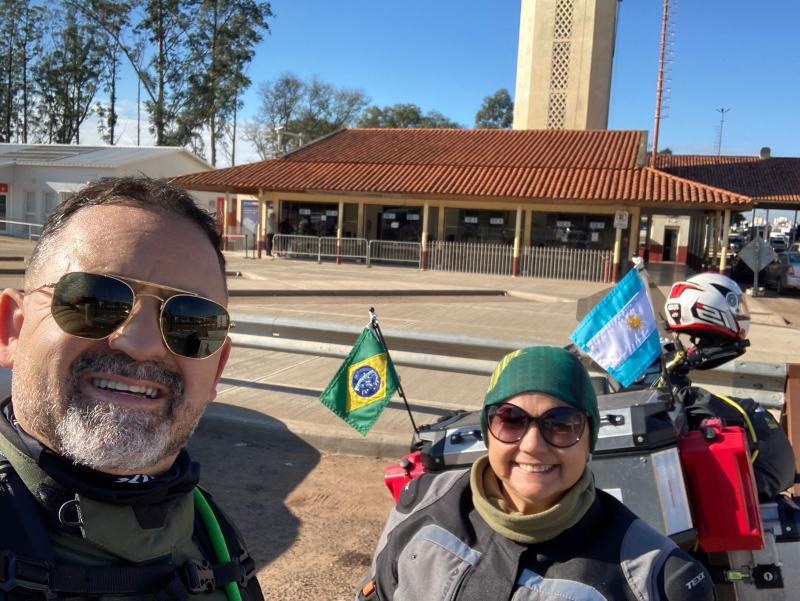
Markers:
point(106, 435)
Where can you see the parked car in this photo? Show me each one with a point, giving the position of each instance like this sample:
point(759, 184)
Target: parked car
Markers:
point(735, 243)
point(784, 273)
point(778, 242)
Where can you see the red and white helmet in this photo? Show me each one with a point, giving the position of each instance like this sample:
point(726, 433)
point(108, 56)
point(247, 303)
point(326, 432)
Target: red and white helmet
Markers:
point(709, 305)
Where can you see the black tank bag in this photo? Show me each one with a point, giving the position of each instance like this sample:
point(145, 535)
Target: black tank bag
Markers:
point(28, 569)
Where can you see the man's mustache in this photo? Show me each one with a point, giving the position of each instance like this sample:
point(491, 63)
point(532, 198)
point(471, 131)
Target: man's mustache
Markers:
point(118, 363)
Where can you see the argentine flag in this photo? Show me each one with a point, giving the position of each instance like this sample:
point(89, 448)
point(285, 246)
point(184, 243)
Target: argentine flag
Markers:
point(620, 332)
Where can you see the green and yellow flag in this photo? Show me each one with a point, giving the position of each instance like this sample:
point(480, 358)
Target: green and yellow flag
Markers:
point(363, 385)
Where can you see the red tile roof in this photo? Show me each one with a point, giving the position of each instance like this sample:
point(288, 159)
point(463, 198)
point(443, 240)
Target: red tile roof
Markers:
point(595, 165)
point(773, 179)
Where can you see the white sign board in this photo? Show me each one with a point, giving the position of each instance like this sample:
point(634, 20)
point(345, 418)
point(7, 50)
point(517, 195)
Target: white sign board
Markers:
point(496, 221)
point(621, 220)
point(757, 254)
point(412, 217)
point(470, 220)
point(333, 213)
point(305, 211)
point(395, 225)
point(389, 216)
point(597, 225)
point(563, 224)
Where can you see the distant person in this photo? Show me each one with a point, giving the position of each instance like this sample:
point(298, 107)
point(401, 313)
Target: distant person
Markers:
point(525, 521)
point(116, 347)
point(285, 227)
point(270, 227)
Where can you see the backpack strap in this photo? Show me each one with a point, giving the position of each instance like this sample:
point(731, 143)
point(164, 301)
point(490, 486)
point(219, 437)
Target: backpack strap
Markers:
point(240, 568)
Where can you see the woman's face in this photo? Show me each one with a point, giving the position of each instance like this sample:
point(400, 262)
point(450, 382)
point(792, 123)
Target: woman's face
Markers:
point(533, 474)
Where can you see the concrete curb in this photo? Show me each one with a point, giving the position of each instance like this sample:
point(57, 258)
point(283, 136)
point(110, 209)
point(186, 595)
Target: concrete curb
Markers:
point(350, 292)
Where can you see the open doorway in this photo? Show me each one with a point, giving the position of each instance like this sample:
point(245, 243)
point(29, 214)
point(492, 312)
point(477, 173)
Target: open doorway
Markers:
point(670, 244)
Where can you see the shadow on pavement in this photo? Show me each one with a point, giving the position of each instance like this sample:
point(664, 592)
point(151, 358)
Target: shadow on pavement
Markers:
point(250, 463)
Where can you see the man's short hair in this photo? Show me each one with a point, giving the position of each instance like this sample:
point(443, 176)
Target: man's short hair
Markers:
point(139, 191)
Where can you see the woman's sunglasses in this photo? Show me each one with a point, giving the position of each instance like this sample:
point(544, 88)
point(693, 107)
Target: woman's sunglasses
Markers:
point(561, 427)
point(93, 306)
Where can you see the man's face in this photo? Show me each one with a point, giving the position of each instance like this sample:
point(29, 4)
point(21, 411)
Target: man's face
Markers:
point(74, 394)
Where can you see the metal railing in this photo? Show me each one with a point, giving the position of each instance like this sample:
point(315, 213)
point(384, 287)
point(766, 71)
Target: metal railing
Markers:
point(763, 382)
point(391, 251)
point(566, 264)
point(471, 257)
point(24, 228)
point(466, 257)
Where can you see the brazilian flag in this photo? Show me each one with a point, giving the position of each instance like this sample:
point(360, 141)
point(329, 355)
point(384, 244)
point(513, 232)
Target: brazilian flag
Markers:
point(363, 385)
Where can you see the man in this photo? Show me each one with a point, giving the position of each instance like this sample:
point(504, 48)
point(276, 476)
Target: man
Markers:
point(117, 345)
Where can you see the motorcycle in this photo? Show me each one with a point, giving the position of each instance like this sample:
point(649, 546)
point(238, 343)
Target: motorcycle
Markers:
point(707, 470)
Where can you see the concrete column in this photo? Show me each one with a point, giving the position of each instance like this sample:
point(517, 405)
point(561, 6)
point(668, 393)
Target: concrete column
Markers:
point(339, 228)
point(360, 233)
point(440, 225)
point(526, 237)
point(633, 237)
point(517, 240)
point(262, 219)
point(225, 222)
point(617, 252)
point(717, 225)
point(723, 256)
point(423, 256)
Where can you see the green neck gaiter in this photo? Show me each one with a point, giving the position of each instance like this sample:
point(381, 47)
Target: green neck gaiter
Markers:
point(488, 499)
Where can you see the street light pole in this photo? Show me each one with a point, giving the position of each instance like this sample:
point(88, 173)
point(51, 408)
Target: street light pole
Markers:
point(721, 112)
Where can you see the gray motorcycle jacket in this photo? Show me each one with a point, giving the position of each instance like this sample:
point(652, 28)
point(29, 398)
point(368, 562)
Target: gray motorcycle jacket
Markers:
point(436, 546)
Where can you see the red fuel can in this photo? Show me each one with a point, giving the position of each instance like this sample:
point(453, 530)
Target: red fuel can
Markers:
point(722, 489)
point(396, 476)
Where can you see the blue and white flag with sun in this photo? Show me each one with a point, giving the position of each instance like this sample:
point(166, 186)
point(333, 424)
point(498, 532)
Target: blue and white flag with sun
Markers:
point(364, 383)
point(620, 333)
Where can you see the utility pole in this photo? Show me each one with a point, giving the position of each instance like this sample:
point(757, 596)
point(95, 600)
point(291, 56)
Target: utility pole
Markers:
point(721, 112)
point(660, 82)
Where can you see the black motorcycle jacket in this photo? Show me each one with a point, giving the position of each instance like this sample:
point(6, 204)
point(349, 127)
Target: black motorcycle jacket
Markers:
point(69, 532)
point(437, 546)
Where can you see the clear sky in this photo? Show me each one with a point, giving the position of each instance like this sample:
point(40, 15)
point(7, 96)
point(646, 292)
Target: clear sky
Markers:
point(448, 55)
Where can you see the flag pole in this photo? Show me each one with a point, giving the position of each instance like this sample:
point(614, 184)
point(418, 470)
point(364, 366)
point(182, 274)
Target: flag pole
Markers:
point(638, 264)
point(373, 324)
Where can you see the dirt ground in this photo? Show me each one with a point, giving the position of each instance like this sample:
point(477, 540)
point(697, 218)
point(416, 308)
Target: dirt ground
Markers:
point(310, 520)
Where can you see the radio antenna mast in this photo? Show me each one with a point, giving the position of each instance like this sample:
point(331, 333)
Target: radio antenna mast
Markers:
point(665, 58)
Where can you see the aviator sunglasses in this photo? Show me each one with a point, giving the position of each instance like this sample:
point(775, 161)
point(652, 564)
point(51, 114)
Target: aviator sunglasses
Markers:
point(561, 427)
point(94, 305)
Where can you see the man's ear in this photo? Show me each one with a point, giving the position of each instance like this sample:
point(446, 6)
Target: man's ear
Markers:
point(224, 353)
point(11, 318)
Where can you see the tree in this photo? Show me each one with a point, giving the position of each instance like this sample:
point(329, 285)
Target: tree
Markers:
point(292, 108)
point(404, 116)
point(20, 44)
point(497, 111)
point(66, 79)
point(221, 45)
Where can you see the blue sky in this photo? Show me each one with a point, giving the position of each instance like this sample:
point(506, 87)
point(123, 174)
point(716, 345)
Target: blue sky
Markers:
point(448, 55)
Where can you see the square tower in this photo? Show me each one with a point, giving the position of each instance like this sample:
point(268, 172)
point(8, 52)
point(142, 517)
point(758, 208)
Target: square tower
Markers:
point(566, 48)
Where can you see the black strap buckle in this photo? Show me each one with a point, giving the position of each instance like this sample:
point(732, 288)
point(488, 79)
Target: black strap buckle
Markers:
point(16, 572)
point(247, 568)
point(199, 577)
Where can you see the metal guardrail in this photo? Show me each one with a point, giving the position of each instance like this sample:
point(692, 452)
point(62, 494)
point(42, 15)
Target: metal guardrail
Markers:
point(764, 382)
point(471, 257)
point(566, 264)
point(465, 257)
point(392, 251)
point(25, 224)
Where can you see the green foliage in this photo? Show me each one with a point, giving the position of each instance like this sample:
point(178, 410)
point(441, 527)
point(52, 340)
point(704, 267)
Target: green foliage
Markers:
point(294, 111)
point(403, 115)
point(497, 111)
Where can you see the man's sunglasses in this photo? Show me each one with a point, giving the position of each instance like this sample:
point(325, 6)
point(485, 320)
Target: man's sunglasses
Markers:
point(561, 427)
point(94, 305)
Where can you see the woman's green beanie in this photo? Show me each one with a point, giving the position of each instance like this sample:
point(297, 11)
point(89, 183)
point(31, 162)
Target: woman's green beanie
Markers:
point(547, 369)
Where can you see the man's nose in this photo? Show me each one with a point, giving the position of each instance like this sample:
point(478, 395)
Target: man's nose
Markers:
point(139, 336)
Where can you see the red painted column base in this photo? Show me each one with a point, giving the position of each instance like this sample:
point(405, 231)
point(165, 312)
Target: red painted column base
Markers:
point(515, 266)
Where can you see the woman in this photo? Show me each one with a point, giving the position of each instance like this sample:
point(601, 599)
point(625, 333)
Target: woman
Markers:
point(526, 522)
